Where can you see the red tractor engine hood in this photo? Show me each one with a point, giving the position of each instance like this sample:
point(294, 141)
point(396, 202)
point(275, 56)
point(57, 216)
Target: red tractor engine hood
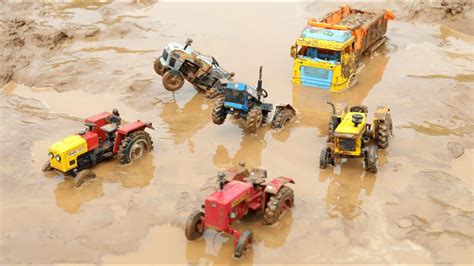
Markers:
point(219, 205)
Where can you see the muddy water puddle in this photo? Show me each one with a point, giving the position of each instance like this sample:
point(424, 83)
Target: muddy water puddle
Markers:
point(136, 213)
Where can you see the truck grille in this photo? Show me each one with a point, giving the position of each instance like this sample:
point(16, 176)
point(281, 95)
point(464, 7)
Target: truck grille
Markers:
point(316, 77)
point(318, 73)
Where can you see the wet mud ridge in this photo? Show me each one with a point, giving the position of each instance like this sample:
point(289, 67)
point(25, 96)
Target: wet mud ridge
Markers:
point(63, 62)
point(23, 39)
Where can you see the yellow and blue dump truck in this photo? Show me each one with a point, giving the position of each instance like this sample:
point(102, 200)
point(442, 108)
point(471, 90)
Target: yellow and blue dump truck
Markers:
point(327, 53)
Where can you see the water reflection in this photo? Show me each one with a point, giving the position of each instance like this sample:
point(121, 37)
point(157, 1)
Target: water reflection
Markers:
point(343, 198)
point(311, 102)
point(135, 175)
point(250, 151)
point(217, 248)
point(184, 123)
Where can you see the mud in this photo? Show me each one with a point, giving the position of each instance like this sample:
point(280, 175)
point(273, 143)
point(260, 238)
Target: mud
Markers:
point(63, 62)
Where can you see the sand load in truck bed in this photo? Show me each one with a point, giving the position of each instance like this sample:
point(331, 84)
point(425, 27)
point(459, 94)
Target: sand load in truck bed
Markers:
point(357, 19)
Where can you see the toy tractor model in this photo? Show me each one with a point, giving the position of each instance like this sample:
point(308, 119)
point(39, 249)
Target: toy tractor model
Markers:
point(245, 102)
point(351, 136)
point(241, 192)
point(103, 138)
point(181, 62)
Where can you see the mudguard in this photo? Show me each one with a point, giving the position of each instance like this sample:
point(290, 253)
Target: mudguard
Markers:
point(127, 129)
point(281, 107)
point(274, 186)
point(381, 113)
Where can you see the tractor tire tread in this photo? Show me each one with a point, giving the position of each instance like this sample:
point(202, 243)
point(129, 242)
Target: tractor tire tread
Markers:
point(252, 120)
point(123, 153)
point(272, 215)
point(218, 112)
point(189, 228)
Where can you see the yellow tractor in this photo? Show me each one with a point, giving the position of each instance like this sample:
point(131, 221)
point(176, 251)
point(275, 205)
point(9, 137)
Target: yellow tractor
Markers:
point(350, 135)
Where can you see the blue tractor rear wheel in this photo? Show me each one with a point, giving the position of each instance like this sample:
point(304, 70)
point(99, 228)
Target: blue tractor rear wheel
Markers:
point(254, 120)
point(218, 111)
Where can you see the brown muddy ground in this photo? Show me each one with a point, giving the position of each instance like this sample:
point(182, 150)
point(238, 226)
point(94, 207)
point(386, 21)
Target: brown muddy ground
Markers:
point(63, 62)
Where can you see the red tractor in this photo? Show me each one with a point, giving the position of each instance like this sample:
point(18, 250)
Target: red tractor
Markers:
point(103, 139)
point(241, 192)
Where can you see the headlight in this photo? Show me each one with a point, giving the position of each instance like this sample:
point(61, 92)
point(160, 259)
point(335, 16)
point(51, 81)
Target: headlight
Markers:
point(50, 155)
point(232, 215)
point(58, 158)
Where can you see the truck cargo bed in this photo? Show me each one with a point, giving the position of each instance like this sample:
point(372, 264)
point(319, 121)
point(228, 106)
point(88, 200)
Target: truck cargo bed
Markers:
point(367, 27)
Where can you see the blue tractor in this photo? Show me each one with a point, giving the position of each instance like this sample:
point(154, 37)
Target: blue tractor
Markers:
point(246, 102)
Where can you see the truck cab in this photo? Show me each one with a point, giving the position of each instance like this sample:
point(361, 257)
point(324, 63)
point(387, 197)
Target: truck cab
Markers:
point(323, 58)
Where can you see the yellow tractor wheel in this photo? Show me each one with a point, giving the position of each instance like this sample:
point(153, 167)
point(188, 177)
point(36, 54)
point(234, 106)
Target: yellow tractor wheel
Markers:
point(83, 176)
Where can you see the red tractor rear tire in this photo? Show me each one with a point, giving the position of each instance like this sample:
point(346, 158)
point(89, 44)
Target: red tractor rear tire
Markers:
point(194, 227)
point(278, 205)
point(243, 244)
point(134, 145)
point(83, 176)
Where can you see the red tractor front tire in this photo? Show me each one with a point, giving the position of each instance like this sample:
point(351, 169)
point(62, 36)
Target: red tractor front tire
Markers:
point(243, 244)
point(134, 146)
point(194, 227)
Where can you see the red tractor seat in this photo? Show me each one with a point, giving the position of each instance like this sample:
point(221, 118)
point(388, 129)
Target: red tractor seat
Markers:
point(109, 128)
point(257, 176)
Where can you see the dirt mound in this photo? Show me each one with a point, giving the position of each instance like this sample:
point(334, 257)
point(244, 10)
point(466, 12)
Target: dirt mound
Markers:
point(24, 39)
point(434, 10)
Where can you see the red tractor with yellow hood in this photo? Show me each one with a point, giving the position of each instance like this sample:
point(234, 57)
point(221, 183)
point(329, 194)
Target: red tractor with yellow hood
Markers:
point(103, 138)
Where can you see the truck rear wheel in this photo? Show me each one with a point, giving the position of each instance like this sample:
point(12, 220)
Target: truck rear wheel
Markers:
point(173, 80)
point(218, 111)
point(254, 120)
point(243, 244)
point(278, 205)
point(194, 227)
point(83, 176)
point(158, 67)
point(134, 146)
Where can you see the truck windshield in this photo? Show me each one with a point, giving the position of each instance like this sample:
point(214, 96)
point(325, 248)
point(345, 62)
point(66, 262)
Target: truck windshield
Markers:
point(235, 96)
point(320, 54)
